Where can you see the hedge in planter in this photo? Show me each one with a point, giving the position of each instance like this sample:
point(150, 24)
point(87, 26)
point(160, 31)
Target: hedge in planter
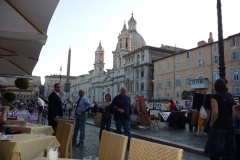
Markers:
point(21, 83)
point(9, 96)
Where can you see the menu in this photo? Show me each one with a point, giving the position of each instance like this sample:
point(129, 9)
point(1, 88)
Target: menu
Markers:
point(6, 137)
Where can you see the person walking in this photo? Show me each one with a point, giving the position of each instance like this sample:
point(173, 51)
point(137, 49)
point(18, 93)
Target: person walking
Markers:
point(189, 111)
point(54, 107)
point(122, 108)
point(83, 106)
point(106, 115)
point(221, 142)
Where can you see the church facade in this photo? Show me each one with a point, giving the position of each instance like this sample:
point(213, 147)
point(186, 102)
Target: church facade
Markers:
point(132, 68)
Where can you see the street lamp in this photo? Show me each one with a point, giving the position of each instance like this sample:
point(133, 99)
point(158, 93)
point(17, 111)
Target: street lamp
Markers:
point(60, 74)
point(153, 89)
point(221, 67)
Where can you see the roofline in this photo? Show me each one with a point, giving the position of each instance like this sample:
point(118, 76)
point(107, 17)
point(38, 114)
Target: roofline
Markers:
point(197, 47)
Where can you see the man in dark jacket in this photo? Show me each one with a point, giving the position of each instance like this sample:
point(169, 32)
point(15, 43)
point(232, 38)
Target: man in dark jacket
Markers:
point(54, 107)
point(122, 108)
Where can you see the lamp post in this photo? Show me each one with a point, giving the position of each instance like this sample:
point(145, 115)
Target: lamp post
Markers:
point(153, 89)
point(60, 75)
point(221, 67)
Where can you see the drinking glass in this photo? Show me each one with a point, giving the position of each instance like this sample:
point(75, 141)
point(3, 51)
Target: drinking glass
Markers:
point(52, 153)
point(2, 130)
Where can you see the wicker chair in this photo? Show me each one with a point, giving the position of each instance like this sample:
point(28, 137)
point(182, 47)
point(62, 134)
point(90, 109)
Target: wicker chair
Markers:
point(112, 146)
point(15, 156)
point(59, 132)
point(140, 149)
point(66, 140)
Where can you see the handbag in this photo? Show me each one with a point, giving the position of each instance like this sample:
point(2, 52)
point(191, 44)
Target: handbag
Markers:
point(106, 115)
point(98, 119)
point(203, 113)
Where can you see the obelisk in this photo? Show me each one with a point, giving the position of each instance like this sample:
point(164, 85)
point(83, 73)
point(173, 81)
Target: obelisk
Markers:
point(67, 84)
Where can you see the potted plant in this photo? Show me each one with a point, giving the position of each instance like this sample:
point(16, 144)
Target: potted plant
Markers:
point(9, 97)
point(21, 83)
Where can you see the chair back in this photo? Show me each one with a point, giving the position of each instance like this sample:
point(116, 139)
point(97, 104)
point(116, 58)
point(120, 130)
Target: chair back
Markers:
point(140, 149)
point(59, 132)
point(15, 156)
point(66, 140)
point(112, 146)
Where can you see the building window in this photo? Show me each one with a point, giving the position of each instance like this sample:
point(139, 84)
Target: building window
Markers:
point(235, 75)
point(200, 75)
point(188, 80)
point(199, 51)
point(168, 83)
point(237, 91)
point(215, 47)
point(178, 94)
point(168, 69)
point(159, 63)
point(159, 84)
point(188, 65)
point(234, 54)
point(177, 58)
point(142, 58)
point(142, 86)
point(200, 62)
point(177, 67)
point(168, 60)
point(215, 59)
point(168, 96)
point(215, 76)
point(159, 71)
point(137, 59)
point(137, 73)
point(158, 96)
point(224, 45)
point(234, 42)
point(178, 82)
point(137, 87)
point(188, 54)
point(142, 73)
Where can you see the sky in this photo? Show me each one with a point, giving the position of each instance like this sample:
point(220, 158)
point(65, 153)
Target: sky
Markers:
point(81, 24)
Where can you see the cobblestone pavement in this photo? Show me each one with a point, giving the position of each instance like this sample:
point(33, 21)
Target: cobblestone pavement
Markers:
point(182, 136)
point(91, 144)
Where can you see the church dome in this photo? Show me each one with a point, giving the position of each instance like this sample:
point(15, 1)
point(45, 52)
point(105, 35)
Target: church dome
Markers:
point(137, 40)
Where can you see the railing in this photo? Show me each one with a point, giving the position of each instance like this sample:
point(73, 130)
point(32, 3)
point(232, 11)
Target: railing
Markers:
point(199, 83)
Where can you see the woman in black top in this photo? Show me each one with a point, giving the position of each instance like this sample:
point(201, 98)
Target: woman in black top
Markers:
point(106, 115)
point(221, 142)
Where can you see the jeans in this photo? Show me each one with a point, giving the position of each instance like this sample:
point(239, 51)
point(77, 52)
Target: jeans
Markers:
point(107, 123)
point(126, 128)
point(80, 124)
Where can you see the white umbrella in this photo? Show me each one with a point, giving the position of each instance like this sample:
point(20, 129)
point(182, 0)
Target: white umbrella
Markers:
point(23, 32)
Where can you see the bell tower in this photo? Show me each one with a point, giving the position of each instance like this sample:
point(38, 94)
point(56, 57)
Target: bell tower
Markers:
point(99, 60)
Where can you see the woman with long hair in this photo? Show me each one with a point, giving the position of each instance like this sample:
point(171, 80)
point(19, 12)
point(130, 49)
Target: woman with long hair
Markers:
point(106, 115)
point(221, 142)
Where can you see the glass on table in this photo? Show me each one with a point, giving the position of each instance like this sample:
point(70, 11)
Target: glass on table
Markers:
point(52, 153)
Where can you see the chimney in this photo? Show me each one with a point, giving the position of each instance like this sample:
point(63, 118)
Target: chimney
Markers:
point(210, 39)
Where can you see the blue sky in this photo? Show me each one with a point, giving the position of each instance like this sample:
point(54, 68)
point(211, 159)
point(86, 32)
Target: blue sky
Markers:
point(81, 24)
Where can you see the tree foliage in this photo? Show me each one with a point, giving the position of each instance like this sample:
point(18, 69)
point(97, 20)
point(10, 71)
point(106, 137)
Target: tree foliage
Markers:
point(9, 96)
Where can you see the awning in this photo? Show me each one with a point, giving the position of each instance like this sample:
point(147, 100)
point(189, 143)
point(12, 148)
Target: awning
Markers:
point(7, 83)
point(23, 32)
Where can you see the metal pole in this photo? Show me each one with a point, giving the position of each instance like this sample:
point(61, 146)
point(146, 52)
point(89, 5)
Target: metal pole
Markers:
point(221, 67)
point(60, 80)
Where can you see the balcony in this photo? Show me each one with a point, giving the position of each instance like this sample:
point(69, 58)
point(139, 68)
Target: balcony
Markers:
point(199, 83)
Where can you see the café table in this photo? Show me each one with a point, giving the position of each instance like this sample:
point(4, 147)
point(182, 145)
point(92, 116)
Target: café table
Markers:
point(14, 121)
point(32, 129)
point(28, 145)
point(44, 158)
